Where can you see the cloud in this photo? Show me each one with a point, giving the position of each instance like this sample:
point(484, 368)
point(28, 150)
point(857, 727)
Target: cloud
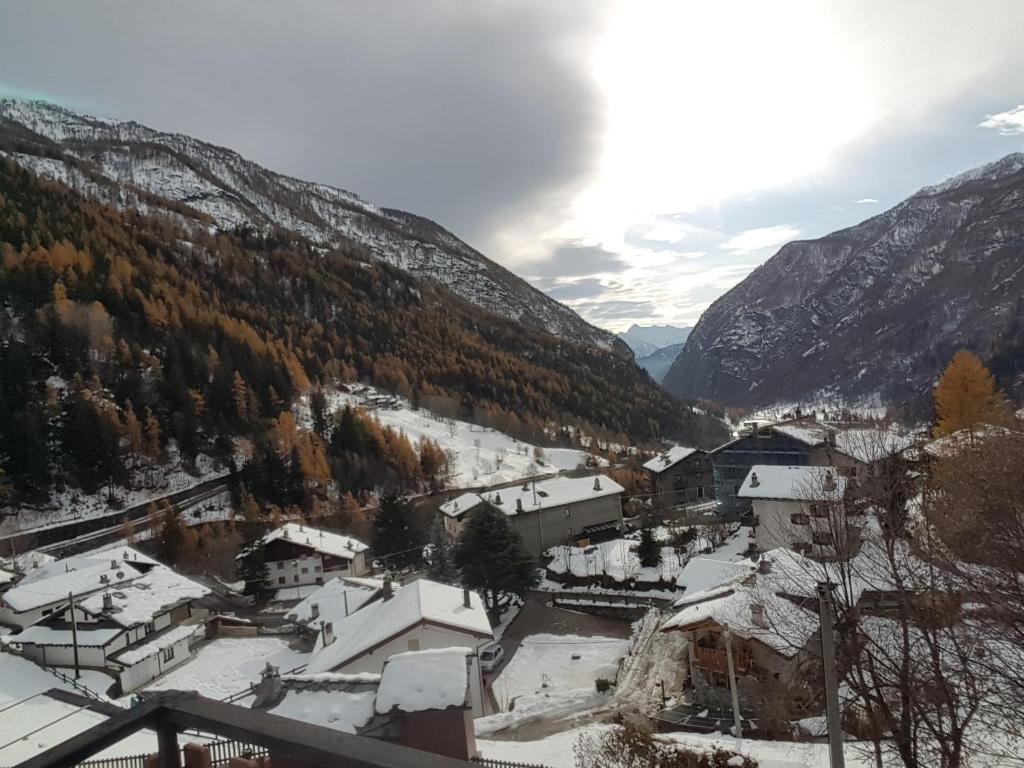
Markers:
point(578, 289)
point(866, 201)
point(599, 311)
point(759, 239)
point(573, 259)
point(1008, 123)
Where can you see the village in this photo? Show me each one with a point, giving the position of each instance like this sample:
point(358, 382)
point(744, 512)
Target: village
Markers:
point(552, 612)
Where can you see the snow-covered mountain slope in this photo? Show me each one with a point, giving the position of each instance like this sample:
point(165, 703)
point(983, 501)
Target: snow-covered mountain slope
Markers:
point(875, 311)
point(645, 340)
point(658, 362)
point(130, 165)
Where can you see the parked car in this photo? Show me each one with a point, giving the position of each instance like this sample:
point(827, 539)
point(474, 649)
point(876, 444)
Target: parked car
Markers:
point(491, 656)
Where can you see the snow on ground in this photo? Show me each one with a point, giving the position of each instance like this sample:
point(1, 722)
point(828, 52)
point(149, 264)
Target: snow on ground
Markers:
point(72, 504)
point(556, 751)
point(227, 666)
point(483, 456)
point(545, 665)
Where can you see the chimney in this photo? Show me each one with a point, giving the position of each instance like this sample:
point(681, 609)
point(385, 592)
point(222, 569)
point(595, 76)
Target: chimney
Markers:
point(108, 601)
point(113, 565)
point(830, 436)
point(286, 535)
point(526, 486)
point(597, 482)
point(328, 632)
point(388, 591)
point(757, 617)
point(270, 688)
point(104, 579)
point(314, 610)
point(519, 505)
point(764, 565)
point(466, 601)
point(754, 482)
point(497, 498)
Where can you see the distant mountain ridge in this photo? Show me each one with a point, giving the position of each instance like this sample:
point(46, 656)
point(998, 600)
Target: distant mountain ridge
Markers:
point(873, 312)
point(645, 340)
point(658, 362)
point(132, 166)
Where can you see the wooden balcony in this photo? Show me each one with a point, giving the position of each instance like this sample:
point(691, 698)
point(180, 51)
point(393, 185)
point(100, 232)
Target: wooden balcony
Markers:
point(714, 659)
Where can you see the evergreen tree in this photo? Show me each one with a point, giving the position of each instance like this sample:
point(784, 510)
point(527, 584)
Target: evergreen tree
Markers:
point(396, 536)
point(318, 411)
point(170, 537)
point(252, 565)
point(492, 560)
point(966, 396)
point(648, 551)
point(440, 561)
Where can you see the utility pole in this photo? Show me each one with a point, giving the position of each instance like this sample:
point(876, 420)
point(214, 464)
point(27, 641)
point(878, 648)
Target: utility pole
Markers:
point(74, 633)
point(737, 721)
point(828, 660)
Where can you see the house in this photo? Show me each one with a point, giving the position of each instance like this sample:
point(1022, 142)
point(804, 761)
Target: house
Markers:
point(334, 601)
point(133, 629)
point(801, 508)
point(803, 441)
point(764, 617)
point(681, 476)
point(456, 511)
point(421, 699)
point(297, 555)
point(45, 588)
point(420, 616)
point(548, 512)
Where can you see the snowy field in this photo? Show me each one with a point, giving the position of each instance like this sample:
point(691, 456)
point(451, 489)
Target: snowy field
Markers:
point(556, 751)
point(558, 664)
point(227, 666)
point(483, 456)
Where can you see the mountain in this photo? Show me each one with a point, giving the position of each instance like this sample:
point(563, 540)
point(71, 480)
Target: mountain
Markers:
point(132, 166)
point(874, 312)
point(658, 362)
point(645, 340)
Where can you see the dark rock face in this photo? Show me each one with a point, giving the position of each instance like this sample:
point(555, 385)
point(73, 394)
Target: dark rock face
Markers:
point(874, 312)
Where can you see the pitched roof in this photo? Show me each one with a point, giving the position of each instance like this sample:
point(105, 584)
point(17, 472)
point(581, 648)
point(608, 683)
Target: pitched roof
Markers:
point(144, 598)
point(865, 444)
point(461, 504)
point(422, 680)
point(412, 604)
point(41, 634)
point(765, 481)
point(47, 584)
point(336, 599)
point(556, 492)
point(669, 458)
point(324, 542)
point(954, 443)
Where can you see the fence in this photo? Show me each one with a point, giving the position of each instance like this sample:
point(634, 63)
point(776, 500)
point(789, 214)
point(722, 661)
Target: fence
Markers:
point(606, 599)
point(220, 753)
point(504, 763)
point(77, 685)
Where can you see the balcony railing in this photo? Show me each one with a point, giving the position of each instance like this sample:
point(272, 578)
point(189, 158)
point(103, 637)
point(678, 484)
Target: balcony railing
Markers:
point(715, 659)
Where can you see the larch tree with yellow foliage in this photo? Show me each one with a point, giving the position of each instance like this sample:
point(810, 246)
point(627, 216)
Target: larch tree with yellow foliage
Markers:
point(966, 396)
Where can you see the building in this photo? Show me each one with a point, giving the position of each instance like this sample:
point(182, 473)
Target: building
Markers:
point(456, 511)
point(133, 629)
point(297, 555)
point(421, 699)
point(762, 617)
point(801, 508)
point(45, 588)
point(544, 513)
point(681, 476)
point(797, 443)
point(420, 616)
point(334, 601)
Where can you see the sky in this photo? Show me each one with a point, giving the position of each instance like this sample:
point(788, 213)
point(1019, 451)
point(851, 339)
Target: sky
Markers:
point(634, 159)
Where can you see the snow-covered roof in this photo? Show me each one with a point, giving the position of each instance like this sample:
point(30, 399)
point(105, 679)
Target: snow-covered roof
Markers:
point(336, 599)
point(50, 583)
point(461, 504)
point(556, 492)
point(865, 444)
point(157, 644)
point(766, 481)
point(324, 542)
point(422, 680)
point(26, 562)
point(146, 597)
point(41, 634)
point(669, 458)
point(6, 577)
point(421, 601)
point(342, 710)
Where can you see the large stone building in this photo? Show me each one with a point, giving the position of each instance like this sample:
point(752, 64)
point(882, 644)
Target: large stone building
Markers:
point(297, 555)
point(681, 476)
point(561, 510)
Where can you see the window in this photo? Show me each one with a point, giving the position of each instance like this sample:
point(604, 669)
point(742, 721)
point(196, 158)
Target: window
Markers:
point(168, 653)
point(700, 492)
point(295, 577)
point(821, 537)
point(414, 643)
point(803, 547)
point(280, 565)
point(799, 518)
point(818, 510)
point(280, 579)
point(150, 628)
point(317, 569)
point(305, 570)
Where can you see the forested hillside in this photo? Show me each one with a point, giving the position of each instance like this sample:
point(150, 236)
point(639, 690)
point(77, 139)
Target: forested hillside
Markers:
point(147, 332)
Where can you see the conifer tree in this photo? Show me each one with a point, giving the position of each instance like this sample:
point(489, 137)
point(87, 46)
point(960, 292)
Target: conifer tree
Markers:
point(648, 551)
point(966, 396)
point(396, 536)
point(492, 560)
point(440, 561)
point(252, 564)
